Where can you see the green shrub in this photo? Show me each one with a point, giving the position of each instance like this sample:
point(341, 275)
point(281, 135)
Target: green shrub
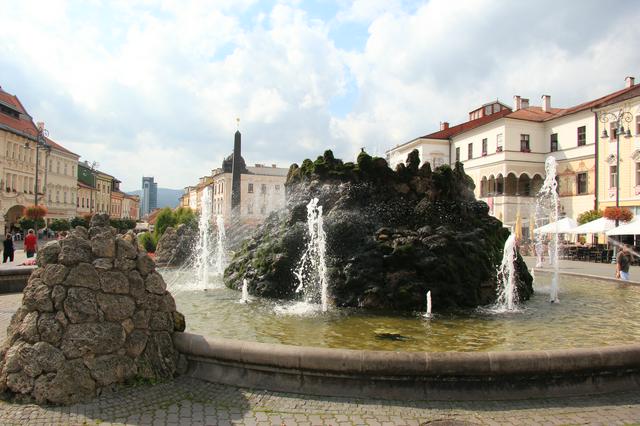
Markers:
point(589, 216)
point(165, 219)
point(78, 221)
point(147, 241)
point(58, 225)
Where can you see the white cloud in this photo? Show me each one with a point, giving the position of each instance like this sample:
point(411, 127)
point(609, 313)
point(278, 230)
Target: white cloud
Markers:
point(149, 87)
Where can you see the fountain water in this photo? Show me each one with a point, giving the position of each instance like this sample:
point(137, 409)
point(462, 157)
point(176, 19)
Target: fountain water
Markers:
point(428, 314)
point(507, 294)
point(312, 269)
point(245, 292)
point(203, 247)
point(547, 208)
point(221, 246)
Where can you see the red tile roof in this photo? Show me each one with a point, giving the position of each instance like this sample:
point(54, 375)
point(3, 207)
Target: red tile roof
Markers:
point(60, 147)
point(24, 124)
point(534, 113)
point(611, 98)
point(465, 127)
point(84, 185)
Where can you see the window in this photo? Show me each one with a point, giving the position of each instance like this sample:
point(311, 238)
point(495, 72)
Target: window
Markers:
point(582, 135)
point(524, 143)
point(487, 110)
point(637, 125)
point(57, 196)
point(613, 131)
point(58, 167)
point(613, 172)
point(484, 147)
point(496, 108)
point(65, 168)
point(250, 189)
point(582, 183)
point(263, 189)
point(470, 151)
point(457, 154)
point(554, 142)
point(65, 197)
point(637, 174)
point(277, 188)
point(499, 142)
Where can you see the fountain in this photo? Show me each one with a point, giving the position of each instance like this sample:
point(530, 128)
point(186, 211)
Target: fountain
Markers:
point(221, 246)
point(312, 269)
point(547, 207)
point(203, 246)
point(392, 237)
point(245, 292)
point(428, 313)
point(507, 294)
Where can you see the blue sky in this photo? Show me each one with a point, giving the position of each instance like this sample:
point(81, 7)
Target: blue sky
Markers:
point(153, 87)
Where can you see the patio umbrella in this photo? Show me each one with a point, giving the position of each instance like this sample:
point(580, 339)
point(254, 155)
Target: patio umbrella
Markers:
point(631, 228)
point(560, 227)
point(532, 225)
point(598, 226)
point(517, 228)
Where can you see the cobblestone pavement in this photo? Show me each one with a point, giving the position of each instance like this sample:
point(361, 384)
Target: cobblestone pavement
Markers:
point(188, 401)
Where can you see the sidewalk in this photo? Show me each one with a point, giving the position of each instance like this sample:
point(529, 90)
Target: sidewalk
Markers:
point(606, 271)
point(19, 256)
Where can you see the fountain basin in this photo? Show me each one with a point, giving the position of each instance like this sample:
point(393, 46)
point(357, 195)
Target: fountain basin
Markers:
point(411, 375)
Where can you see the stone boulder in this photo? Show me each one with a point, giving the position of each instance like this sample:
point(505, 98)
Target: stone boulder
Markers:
point(94, 314)
point(391, 236)
point(176, 245)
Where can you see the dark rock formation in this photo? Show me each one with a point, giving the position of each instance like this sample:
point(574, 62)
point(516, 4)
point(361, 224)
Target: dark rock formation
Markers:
point(176, 245)
point(391, 237)
point(94, 314)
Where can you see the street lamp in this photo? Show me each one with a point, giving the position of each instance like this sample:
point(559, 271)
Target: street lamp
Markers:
point(92, 167)
point(617, 119)
point(41, 142)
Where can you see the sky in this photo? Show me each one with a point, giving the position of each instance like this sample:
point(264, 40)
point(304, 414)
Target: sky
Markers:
point(154, 88)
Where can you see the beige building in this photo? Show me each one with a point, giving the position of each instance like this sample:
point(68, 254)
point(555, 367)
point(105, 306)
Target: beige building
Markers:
point(56, 167)
point(504, 149)
point(60, 182)
point(131, 207)
point(85, 199)
point(625, 104)
point(102, 194)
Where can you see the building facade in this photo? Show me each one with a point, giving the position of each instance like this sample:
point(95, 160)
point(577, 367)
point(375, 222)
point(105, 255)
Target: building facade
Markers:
point(259, 190)
point(504, 150)
point(149, 195)
point(60, 182)
point(130, 207)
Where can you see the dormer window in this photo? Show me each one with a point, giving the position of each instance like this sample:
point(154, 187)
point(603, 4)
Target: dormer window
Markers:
point(9, 111)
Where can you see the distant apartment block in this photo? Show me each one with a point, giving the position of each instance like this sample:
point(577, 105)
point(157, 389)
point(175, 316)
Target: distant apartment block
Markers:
point(149, 195)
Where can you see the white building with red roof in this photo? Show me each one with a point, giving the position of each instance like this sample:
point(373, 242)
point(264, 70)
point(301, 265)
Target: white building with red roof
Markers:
point(504, 149)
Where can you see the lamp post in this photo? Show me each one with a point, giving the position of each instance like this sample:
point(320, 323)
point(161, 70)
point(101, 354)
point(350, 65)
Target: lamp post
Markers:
point(41, 142)
point(92, 167)
point(618, 120)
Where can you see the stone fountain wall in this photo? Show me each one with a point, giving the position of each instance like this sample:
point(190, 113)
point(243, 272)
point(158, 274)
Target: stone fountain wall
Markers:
point(94, 314)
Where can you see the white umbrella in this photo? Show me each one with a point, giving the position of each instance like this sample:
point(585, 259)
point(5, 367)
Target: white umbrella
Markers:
point(598, 226)
point(631, 228)
point(562, 226)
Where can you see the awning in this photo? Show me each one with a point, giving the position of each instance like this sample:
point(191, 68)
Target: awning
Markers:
point(563, 226)
point(598, 226)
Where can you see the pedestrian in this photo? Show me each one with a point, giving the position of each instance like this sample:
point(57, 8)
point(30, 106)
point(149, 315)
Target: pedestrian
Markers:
point(7, 251)
point(30, 243)
point(623, 262)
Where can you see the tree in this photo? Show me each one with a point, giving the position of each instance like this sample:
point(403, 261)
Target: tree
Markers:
point(35, 212)
point(184, 215)
point(589, 216)
point(25, 223)
point(165, 219)
point(78, 221)
point(58, 225)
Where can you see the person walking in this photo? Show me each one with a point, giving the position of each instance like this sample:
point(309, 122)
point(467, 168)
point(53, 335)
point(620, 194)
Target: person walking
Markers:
point(7, 251)
point(30, 243)
point(622, 264)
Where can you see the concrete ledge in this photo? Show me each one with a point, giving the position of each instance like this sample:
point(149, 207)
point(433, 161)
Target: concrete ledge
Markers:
point(14, 279)
point(412, 375)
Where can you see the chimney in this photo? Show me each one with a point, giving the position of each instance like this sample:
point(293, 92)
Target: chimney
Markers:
point(546, 103)
point(524, 103)
point(273, 166)
point(444, 125)
point(517, 103)
point(629, 81)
